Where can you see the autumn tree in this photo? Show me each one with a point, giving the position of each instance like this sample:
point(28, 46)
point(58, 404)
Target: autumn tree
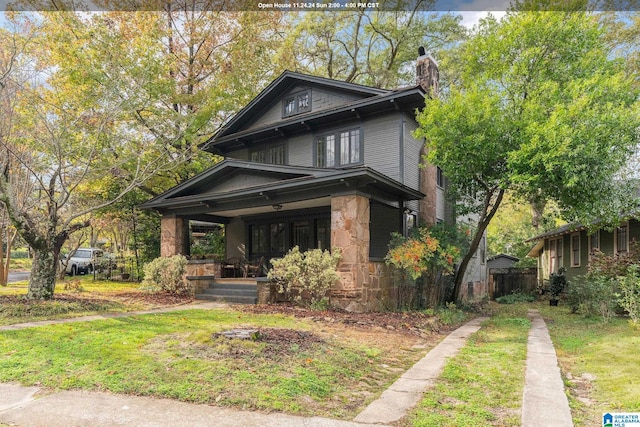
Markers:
point(539, 109)
point(371, 47)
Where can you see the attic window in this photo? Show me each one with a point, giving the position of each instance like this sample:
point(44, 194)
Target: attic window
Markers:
point(297, 103)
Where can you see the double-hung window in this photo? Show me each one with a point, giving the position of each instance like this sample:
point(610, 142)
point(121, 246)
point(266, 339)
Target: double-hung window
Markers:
point(555, 254)
point(622, 238)
point(326, 151)
point(594, 242)
point(575, 250)
point(340, 148)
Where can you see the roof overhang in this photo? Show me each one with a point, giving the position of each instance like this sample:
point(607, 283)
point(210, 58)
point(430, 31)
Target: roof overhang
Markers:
point(299, 188)
point(408, 99)
point(535, 250)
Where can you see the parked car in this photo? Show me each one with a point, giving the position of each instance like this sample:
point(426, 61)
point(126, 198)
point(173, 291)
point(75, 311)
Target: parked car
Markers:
point(83, 261)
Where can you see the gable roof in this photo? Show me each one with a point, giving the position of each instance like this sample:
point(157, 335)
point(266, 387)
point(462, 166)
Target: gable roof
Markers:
point(223, 187)
point(371, 99)
point(505, 256)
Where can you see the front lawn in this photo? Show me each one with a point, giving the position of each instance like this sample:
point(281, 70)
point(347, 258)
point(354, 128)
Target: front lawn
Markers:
point(79, 296)
point(599, 362)
point(483, 384)
point(314, 364)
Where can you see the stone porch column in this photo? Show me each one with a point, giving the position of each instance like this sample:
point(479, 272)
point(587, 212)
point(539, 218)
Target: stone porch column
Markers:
point(174, 236)
point(350, 216)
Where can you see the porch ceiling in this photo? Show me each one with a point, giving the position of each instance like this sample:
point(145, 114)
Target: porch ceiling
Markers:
point(256, 210)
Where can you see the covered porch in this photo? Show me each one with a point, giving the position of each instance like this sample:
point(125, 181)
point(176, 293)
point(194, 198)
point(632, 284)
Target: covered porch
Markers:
point(268, 209)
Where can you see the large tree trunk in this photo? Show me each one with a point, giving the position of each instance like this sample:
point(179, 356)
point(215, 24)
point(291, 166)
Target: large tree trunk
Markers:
point(44, 269)
point(491, 205)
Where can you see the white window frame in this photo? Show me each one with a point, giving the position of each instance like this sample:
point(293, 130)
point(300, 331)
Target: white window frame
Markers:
point(554, 266)
point(590, 237)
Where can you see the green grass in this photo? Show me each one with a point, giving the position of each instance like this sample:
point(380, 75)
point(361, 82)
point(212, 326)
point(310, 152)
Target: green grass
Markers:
point(175, 355)
point(93, 299)
point(483, 385)
point(588, 347)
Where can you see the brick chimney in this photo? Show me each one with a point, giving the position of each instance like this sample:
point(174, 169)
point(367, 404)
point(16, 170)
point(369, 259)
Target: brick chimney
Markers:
point(427, 74)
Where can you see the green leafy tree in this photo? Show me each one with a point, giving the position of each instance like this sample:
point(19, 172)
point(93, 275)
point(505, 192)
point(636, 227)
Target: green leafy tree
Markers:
point(513, 224)
point(367, 47)
point(540, 109)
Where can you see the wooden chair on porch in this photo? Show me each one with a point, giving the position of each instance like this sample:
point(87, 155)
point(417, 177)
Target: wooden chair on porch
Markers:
point(231, 267)
point(254, 269)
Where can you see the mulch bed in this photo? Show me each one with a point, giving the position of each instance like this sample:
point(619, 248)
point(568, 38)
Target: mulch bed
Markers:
point(411, 323)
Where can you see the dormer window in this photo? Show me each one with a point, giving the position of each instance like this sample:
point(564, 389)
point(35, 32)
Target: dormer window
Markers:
point(297, 103)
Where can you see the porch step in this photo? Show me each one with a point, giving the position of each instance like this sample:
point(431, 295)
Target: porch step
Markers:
point(238, 291)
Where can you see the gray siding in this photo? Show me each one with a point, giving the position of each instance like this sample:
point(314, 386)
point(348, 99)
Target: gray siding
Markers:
point(441, 213)
point(412, 148)
point(301, 150)
point(239, 154)
point(382, 145)
point(411, 157)
point(321, 99)
point(242, 181)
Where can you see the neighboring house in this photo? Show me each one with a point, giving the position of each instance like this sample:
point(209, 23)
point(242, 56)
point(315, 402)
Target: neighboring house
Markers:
point(572, 245)
point(317, 163)
point(501, 261)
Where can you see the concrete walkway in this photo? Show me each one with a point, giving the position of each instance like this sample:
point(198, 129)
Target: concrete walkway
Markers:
point(191, 306)
point(544, 402)
point(34, 407)
point(406, 392)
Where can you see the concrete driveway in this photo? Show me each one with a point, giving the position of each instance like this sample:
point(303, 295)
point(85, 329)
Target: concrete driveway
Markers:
point(18, 276)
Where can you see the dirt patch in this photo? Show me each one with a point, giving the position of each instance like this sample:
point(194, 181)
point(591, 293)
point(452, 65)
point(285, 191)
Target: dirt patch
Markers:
point(407, 323)
point(156, 299)
point(581, 387)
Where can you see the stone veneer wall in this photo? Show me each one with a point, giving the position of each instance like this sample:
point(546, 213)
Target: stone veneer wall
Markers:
point(174, 235)
point(382, 292)
point(350, 215)
point(197, 268)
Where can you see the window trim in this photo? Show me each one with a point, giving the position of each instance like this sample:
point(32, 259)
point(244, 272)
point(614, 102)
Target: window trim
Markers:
point(574, 250)
point(295, 97)
point(590, 237)
point(615, 238)
point(439, 178)
point(337, 147)
point(553, 254)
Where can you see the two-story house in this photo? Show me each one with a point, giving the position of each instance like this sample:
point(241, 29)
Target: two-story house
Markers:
point(317, 163)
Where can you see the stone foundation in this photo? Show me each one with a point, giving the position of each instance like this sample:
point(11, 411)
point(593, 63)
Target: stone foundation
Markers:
point(199, 268)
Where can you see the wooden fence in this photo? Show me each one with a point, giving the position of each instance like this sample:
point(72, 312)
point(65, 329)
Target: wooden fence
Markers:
point(504, 281)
